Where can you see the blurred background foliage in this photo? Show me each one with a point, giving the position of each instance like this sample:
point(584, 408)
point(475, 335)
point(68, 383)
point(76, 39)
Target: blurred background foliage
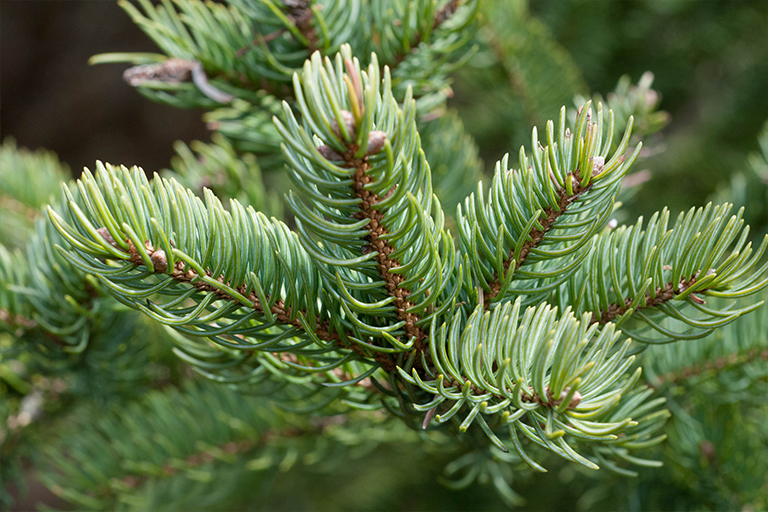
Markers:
point(709, 61)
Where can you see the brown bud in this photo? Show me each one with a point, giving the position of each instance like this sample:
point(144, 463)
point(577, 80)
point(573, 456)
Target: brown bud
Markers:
point(159, 261)
point(104, 232)
point(575, 401)
point(349, 121)
point(376, 140)
point(171, 71)
point(329, 154)
point(598, 162)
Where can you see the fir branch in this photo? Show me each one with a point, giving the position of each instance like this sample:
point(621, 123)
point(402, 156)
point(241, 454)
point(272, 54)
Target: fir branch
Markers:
point(710, 367)
point(197, 459)
point(377, 242)
point(221, 38)
point(543, 216)
point(372, 187)
point(640, 276)
point(377, 232)
point(548, 218)
point(182, 274)
point(661, 296)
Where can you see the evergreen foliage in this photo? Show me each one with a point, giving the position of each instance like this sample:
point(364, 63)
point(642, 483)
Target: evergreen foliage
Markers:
point(401, 305)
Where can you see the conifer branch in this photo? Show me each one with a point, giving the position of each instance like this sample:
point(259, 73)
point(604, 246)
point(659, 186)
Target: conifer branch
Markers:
point(638, 277)
point(231, 448)
point(530, 234)
point(536, 234)
point(384, 250)
point(387, 176)
point(287, 307)
point(662, 296)
point(181, 274)
point(710, 367)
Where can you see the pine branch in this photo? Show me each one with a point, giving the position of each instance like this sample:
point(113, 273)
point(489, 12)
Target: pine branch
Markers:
point(549, 216)
point(220, 38)
point(223, 437)
point(532, 373)
point(254, 288)
point(377, 235)
point(710, 368)
point(659, 297)
point(741, 348)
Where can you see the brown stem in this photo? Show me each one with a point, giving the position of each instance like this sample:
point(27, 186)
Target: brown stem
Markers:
point(548, 219)
point(203, 457)
point(383, 249)
point(662, 295)
point(716, 365)
point(279, 310)
point(548, 401)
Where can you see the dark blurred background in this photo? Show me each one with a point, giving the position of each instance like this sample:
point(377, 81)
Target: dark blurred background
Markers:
point(710, 58)
point(50, 97)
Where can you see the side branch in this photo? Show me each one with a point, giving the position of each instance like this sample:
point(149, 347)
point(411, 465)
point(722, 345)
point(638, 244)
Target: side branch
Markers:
point(283, 314)
point(662, 295)
point(713, 366)
point(550, 216)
